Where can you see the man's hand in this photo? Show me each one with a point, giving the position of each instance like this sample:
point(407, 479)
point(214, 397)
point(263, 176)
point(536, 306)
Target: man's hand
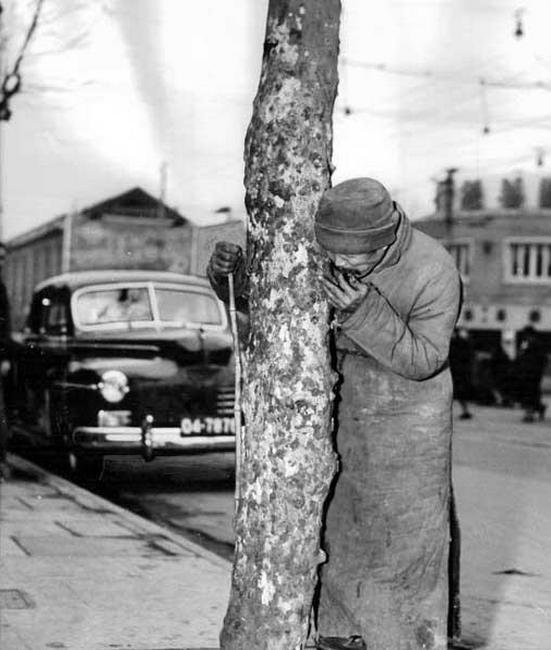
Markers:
point(225, 257)
point(344, 293)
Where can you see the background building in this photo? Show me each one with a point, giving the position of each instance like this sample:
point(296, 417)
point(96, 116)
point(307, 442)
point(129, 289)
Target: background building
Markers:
point(503, 253)
point(132, 230)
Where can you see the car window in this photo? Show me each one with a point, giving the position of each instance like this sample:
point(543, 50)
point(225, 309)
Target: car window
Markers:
point(54, 315)
point(49, 314)
point(113, 306)
point(184, 307)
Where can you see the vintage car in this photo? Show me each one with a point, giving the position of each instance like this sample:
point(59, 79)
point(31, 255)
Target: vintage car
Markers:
point(125, 362)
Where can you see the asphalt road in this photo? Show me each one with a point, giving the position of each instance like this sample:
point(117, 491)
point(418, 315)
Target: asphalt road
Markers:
point(502, 477)
point(193, 495)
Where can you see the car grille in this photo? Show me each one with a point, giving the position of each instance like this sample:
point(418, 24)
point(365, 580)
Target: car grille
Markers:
point(225, 398)
point(168, 404)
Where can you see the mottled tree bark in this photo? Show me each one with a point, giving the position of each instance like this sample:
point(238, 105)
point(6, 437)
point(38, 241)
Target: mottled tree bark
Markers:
point(288, 460)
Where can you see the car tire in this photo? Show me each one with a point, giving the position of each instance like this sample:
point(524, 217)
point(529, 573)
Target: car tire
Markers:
point(75, 463)
point(83, 466)
point(53, 416)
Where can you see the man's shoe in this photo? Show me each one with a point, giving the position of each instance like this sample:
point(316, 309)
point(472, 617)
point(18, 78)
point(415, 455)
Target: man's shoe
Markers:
point(465, 416)
point(354, 642)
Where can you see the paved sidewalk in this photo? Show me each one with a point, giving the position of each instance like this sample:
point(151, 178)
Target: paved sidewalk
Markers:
point(79, 573)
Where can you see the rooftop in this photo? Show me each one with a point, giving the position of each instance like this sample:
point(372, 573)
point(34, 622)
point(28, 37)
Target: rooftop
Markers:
point(77, 279)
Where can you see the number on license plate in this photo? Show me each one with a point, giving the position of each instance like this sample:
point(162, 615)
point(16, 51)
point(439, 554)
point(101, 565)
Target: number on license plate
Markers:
point(208, 425)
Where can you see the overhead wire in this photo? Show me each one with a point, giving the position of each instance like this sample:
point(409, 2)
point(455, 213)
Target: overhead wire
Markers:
point(445, 111)
point(440, 76)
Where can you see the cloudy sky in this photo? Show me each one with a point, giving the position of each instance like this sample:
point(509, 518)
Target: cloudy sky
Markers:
point(115, 88)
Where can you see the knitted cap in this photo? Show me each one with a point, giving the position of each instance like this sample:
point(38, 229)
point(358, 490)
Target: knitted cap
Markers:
point(356, 216)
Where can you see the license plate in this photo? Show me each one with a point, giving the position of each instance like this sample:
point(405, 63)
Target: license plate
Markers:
point(207, 426)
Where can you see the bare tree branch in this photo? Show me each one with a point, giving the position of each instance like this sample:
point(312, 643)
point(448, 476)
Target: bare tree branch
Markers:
point(11, 83)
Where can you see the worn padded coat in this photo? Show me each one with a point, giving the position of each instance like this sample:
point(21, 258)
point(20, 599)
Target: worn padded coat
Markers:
point(387, 528)
point(387, 523)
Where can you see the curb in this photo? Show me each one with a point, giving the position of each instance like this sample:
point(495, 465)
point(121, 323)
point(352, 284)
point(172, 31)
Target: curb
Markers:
point(88, 500)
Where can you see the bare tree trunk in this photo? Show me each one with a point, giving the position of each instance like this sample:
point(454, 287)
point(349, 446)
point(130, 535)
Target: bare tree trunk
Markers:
point(288, 458)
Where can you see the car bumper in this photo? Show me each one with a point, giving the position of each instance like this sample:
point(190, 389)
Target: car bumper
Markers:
point(147, 442)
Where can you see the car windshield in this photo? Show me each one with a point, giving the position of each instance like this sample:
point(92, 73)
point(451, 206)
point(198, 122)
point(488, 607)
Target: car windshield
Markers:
point(110, 306)
point(187, 307)
point(131, 306)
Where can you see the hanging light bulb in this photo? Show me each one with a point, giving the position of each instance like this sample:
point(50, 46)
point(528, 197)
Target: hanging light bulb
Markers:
point(519, 27)
point(484, 106)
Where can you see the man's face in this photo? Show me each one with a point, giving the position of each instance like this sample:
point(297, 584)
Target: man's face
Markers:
point(360, 264)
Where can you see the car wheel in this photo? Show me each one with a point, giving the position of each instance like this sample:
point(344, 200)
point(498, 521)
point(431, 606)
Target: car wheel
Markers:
point(53, 416)
point(76, 463)
point(82, 466)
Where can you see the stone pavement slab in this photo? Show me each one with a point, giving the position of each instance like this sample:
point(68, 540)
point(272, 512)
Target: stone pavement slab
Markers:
point(80, 573)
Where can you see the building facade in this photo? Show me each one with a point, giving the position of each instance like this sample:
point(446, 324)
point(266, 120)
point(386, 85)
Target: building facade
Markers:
point(504, 257)
point(132, 230)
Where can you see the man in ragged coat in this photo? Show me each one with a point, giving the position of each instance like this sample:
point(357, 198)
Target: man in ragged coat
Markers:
point(396, 295)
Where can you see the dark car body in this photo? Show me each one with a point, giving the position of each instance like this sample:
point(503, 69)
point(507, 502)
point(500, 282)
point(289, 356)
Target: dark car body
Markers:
point(115, 362)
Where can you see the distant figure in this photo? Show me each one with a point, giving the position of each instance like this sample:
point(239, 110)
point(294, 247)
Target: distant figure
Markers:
point(529, 366)
point(5, 339)
point(461, 359)
point(500, 367)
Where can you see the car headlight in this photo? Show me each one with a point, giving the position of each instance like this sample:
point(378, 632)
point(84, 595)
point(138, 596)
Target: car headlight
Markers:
point(113, 385)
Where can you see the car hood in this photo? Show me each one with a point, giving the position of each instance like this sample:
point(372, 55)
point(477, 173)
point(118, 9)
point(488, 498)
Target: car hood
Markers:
point(140, 353)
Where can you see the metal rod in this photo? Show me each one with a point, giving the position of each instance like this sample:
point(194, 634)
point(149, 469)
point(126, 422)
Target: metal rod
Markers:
point(237, 399)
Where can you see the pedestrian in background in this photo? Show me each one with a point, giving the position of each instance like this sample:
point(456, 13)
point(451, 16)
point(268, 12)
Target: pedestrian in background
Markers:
point(395, 293)
point(461, 366)
point(5, 344)
point(502, 380)
point(529, 367)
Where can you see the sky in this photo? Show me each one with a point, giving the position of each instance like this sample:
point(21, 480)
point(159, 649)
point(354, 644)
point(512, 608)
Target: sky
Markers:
point(115, 89)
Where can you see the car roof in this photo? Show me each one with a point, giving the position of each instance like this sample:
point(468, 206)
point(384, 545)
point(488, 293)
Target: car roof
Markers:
point(77, 279)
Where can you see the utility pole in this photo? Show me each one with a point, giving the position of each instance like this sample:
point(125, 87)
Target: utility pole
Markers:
point(163, 175)
point(448, 196)
point(67, 241)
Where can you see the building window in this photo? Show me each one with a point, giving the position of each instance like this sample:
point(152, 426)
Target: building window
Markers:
point(461, 254)
point(545, 193)
point(528, 261)
point(472, 195)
